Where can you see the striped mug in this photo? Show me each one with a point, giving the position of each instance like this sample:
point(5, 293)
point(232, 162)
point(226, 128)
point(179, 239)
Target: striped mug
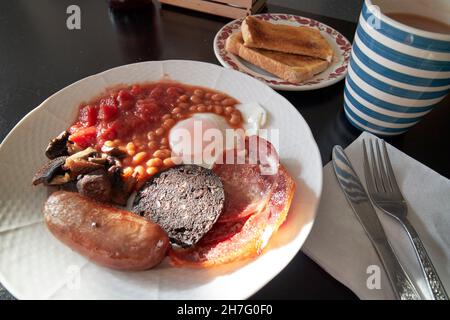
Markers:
point(397, 73)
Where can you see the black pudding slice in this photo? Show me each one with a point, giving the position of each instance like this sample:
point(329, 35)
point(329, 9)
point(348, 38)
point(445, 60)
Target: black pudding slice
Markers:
point(185, 201)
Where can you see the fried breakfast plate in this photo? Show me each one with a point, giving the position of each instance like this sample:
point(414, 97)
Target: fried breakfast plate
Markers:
point(35, 265)
point(334, 73)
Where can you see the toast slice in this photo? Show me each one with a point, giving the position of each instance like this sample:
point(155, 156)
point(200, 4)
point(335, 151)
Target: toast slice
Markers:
point(277, 37)
point(290, 67)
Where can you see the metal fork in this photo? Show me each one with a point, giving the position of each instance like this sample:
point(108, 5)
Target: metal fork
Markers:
point(386, 195)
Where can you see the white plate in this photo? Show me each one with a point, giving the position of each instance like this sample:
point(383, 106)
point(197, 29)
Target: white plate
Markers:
point(334, 73)
point(34, 265)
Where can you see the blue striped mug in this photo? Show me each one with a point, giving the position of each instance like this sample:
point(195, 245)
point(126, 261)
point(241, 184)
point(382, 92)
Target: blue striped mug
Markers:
point(397, 73)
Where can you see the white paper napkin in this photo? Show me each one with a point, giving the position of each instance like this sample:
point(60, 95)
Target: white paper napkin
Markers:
point(339, 244)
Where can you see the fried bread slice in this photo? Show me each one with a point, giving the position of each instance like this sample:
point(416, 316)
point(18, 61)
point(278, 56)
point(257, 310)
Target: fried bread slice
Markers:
point(290, 67)
point(283, 38)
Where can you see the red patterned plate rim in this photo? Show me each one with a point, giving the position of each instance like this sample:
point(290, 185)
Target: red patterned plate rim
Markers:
point(335, 72)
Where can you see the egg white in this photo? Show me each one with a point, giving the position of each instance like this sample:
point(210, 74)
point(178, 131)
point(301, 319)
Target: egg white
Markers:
point(195, 148)
point(253, 115)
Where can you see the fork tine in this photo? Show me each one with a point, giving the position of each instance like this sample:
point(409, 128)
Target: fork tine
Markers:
point(390, 171)
point(369, 179)
point(382, 168)
point(375, 172)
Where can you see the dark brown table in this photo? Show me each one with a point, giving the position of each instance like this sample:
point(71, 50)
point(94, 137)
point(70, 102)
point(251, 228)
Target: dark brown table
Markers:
point(39, 56)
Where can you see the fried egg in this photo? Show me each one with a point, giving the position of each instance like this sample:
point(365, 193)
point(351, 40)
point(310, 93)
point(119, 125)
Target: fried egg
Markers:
point(201, 138)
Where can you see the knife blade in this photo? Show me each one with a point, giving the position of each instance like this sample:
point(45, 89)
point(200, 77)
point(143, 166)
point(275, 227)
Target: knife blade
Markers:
point(362, 207)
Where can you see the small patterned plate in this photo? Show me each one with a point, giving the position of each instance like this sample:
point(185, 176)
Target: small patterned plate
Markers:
point(335, 72)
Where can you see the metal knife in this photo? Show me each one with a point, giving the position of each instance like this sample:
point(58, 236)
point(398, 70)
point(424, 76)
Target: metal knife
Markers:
point(365, 212)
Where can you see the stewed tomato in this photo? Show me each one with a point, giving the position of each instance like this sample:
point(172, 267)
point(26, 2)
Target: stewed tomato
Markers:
point(84, 137)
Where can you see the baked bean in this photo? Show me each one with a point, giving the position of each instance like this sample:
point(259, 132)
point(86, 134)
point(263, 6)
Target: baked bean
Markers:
point(139, 170)
point(109, 143)
point(154, 162)
point(196, 99)
point(183, 105)
point(164, 142)
point(176, 110)
point(228, 102)
point(151, 171)
point(128, 171)
point(168, 123)
point(217, 97)
point(166, 116)
point(201, 108)
point(159, 132)
point(173, 91)
point(117, 142)
point(236, 113)
point(131, 148)
point(169, 162)
point(179, 116)
point(162, 153)
point(151, 136)
point(183, 98)
point(126, 162)
point(152, 145)
point(157, 92)
point(218, 109)
point(193, 108)
point(229, 110)
point(208, 95)
point(235, 120)
point(199, 92)
point(139, 157)
point(209, 108)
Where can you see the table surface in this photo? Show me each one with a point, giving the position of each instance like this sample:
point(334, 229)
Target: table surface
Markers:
point(39, 56)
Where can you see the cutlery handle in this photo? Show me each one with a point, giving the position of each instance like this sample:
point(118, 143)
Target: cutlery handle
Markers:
point(436, 286)
point(402, 285)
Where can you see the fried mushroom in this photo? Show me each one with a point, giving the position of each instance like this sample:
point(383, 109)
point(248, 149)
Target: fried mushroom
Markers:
point(121, 188)
point(49, 171)
point(95, 185)
point(58, 146)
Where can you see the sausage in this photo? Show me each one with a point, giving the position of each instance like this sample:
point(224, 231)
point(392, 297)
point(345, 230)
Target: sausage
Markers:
point(106, 235)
